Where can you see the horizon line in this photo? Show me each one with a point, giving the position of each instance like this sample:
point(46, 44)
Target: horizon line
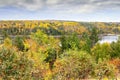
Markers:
point(57, 20)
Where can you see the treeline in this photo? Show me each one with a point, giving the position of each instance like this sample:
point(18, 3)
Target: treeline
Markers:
point(56, 27)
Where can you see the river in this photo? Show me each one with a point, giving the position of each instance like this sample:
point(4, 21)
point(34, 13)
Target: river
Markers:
point(109, 39)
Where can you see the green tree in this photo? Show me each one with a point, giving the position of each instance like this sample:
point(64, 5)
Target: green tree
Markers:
point(94, 35)
point(87, 43)
point(70, 42)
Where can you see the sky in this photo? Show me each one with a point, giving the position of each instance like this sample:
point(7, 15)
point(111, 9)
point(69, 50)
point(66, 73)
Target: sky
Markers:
point(73, 10)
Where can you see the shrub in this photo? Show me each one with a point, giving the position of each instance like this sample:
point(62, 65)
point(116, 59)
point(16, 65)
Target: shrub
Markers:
point(104, 69)
point(14, 65)
point(101, 51)
point(73, 65)
point(51, 57)
point(115, 49)
point(8, 43)
point(18, 42)
point(116, 63)
point(40, 37)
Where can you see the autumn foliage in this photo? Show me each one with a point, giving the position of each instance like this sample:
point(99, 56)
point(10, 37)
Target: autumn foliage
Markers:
point(31, 51)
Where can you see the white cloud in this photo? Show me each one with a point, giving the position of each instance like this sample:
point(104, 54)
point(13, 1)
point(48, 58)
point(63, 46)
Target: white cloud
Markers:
point(31, 5)
point(77, 6)
point(53, 2)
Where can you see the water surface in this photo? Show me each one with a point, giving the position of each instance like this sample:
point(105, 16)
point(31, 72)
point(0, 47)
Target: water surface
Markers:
point(109, 39)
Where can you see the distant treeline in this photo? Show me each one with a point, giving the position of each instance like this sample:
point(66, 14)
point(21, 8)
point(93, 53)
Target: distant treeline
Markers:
point(56, 27)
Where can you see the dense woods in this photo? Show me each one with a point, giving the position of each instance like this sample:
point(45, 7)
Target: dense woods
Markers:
point(56, 27)
point(70, 57)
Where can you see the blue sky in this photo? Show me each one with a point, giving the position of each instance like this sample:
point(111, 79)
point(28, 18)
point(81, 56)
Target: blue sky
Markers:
point(76, 10)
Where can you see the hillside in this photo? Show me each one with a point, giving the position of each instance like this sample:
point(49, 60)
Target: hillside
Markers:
point(56, 27)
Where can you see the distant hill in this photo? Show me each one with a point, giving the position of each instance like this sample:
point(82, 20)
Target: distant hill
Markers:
point(56, 27)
